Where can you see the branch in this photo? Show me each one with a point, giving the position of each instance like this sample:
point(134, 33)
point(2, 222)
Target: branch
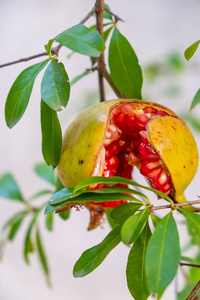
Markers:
point(189, 265)
point(117, 18)
point(99, 25)
point(107, 76)
point(152, 208)
point(53, 50)
point(194, 291)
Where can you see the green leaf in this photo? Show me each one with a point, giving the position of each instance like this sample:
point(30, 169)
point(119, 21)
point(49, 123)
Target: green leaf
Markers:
point(9, 188)
point(80, 39)
point(110, 220)
point(28, 244)
point(16, 225)
point(133, 226)
point(135, 266)
point(45, 172)
point(42, 256)
point(162, 255)
point(93, 257)
point(195, 272)
point(40, 194)
point(123, 211)
point(186, 291)
point(106, 33)
point(189, 52)
point(20, 93)
point(13, 219)
point(125, 70)
point(64, 214)
point(49, 209)
point(115, 180)
point(55, 87)
point(59, 185)
point(48, 46)
point(51, 135)
point(196, 100)
point(193, 221)
point(107, 15)
point(155, 220)
point(49, 222)
point(79, 77)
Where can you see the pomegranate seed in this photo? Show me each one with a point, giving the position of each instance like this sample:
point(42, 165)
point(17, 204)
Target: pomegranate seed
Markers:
point(99, 186)
point(162, 179)
point(143, 135)
point(150, 110)
point(150, 166)
point(127, 108)
point(161, 113)
point(116, 112)
point(142, 149)
point(153, 174)
point(120, 120)
point(131, 130)
point(126, 175)
point(113, 163)
point(108, 174)
point(108, 154)
point(150, 149)
point(142, 120)
point(130, 120)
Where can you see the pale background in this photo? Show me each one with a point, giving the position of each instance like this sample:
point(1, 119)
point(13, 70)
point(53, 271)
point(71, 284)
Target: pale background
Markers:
point(154, 28)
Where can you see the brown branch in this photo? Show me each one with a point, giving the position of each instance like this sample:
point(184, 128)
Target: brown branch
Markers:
point(189, 265)
point(153, 208)
point(99, 25)
point(117, 18)
point(194, 291)
point(107, 76)
point(54, 51)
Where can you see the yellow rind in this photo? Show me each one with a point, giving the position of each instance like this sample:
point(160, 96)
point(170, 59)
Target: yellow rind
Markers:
point(174, 143)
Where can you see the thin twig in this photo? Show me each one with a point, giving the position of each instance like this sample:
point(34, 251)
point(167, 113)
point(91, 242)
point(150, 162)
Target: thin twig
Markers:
point(189, 265)
point(117, 18)
point(53, 50)
point(99, 25)
point(107, 76)
point(194, 291)
point(175, 205)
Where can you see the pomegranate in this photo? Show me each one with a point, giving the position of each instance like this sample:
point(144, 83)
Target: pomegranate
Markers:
point(111, 138)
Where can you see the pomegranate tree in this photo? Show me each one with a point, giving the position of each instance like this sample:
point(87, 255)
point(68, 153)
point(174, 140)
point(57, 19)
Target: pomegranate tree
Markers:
point(111, 138)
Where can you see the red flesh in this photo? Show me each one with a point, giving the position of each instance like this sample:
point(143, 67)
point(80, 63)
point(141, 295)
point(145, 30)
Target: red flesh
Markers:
point(126, 145)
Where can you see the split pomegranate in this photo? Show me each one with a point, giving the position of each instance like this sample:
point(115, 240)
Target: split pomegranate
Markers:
point(111, 138)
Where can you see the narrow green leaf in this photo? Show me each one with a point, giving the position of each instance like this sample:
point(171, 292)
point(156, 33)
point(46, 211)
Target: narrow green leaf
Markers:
point(115, 180)
point(190, 51)
point(93, 257)
point(49, 209)
point(15, 227)
point(40, 194)
point(80, 39)
point(110, 219)
point(42, 256)
point(155, 220)
point(14, 219)
point(196, 100)
point(28, 244)
point(45, 172)
point(55, 87)
point(186, 291)
point(9, 188)
point(162, 255)
point(123, 211)
point(20, 93)
point(195, 272)
point(125, 70)
point(79, 77)
point(64, 214)
point(49, 222)
point(133, 226)
point(193, 221)
point(48, 46)
point(51, 135)
point(135, 266)
point(106, 33)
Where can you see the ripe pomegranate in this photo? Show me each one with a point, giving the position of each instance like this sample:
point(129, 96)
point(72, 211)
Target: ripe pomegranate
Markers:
point(111, 138)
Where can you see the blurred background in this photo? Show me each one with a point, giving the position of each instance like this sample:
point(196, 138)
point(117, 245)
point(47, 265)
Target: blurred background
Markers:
point(159, 32)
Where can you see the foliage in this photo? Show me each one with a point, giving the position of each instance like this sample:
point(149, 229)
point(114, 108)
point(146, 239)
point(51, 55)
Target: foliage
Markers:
point(151, 267)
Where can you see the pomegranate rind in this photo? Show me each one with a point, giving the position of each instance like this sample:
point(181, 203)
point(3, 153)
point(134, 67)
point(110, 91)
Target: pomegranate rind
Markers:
point(175, 144)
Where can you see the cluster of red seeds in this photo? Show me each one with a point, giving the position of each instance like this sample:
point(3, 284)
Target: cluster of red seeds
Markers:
point(126, 145)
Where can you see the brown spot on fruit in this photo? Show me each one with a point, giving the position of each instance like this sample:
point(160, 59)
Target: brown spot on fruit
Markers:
point(80, 162)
